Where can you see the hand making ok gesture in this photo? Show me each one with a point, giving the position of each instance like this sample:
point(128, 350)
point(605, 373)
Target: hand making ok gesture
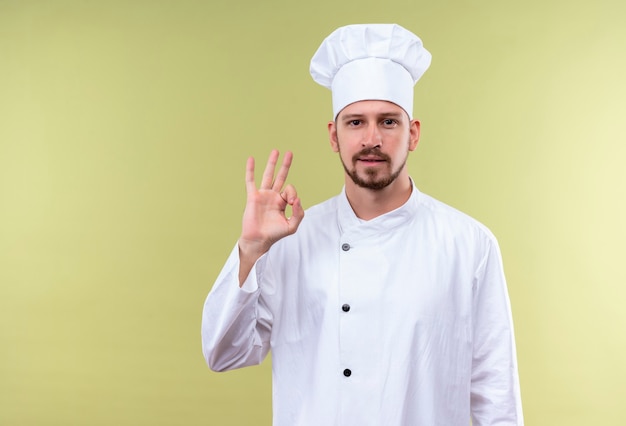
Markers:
point(264, 219)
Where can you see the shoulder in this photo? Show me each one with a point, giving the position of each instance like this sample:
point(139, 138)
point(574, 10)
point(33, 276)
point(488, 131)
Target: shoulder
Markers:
point(441, 215)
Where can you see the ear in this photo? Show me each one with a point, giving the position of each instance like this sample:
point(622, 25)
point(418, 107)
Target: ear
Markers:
point(332, 136)
point(414, 134)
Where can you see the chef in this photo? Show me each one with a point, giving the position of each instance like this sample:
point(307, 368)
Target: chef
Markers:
point(381, 305)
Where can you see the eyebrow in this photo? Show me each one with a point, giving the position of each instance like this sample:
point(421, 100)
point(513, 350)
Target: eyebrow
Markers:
point(349, 117)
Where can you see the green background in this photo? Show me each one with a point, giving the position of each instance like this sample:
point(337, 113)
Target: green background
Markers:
point(124, 130)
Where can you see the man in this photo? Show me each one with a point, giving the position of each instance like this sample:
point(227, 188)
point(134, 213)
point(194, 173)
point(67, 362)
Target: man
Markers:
point(382, 306)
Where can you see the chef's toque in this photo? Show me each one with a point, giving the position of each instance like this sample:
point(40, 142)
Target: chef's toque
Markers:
point(370, 62)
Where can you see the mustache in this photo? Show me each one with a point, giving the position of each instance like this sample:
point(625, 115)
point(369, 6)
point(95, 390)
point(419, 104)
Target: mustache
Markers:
point(374, 152)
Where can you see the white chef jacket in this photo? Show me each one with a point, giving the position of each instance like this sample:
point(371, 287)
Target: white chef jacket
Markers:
point(402, 320)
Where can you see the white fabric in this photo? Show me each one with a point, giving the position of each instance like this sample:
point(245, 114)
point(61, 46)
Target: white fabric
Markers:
point(370, 62)
point(393, 83)
point(428, 337)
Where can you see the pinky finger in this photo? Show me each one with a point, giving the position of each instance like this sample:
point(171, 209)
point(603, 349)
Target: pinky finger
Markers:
point(250, 185)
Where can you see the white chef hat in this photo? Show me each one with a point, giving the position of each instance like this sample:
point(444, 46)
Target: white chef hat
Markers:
point(370, 62)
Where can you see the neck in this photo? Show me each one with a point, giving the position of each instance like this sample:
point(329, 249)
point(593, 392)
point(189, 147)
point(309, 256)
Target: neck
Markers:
point(369, 203)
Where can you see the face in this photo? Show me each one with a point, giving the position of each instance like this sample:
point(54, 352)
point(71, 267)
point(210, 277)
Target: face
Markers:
point(373, 139)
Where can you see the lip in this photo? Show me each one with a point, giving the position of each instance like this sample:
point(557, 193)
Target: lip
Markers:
point(372, 159)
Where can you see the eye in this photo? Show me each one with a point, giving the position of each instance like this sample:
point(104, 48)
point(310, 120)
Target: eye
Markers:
point(354, 122)
point(389, 122)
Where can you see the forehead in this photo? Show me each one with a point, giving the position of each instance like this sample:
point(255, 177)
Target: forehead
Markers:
point(371, 107)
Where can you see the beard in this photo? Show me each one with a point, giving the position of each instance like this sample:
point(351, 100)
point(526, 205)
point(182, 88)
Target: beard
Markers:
point(374, 178)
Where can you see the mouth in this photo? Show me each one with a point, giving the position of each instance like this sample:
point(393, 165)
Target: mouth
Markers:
point(371, 160)
point(370, 157)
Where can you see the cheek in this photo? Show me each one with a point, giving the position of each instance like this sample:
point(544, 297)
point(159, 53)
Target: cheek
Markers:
point(347, 140)
point(344, 154)
point(338, 144)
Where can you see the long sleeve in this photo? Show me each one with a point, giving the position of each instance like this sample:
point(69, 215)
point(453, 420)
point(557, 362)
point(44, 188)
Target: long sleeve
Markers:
point(236, 325)
point(495, 392)
point(400, 320)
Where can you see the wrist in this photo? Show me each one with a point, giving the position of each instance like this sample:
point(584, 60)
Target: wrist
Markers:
point(251, 248)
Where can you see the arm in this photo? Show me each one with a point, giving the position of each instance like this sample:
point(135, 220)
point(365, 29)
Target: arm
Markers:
point(236, 324)
point(495, 393)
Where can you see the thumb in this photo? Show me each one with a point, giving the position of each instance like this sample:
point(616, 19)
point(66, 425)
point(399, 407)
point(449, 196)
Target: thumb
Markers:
point(289, 194)
point(297, 214)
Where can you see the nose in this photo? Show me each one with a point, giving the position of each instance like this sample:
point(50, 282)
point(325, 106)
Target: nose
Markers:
point(372, 137)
